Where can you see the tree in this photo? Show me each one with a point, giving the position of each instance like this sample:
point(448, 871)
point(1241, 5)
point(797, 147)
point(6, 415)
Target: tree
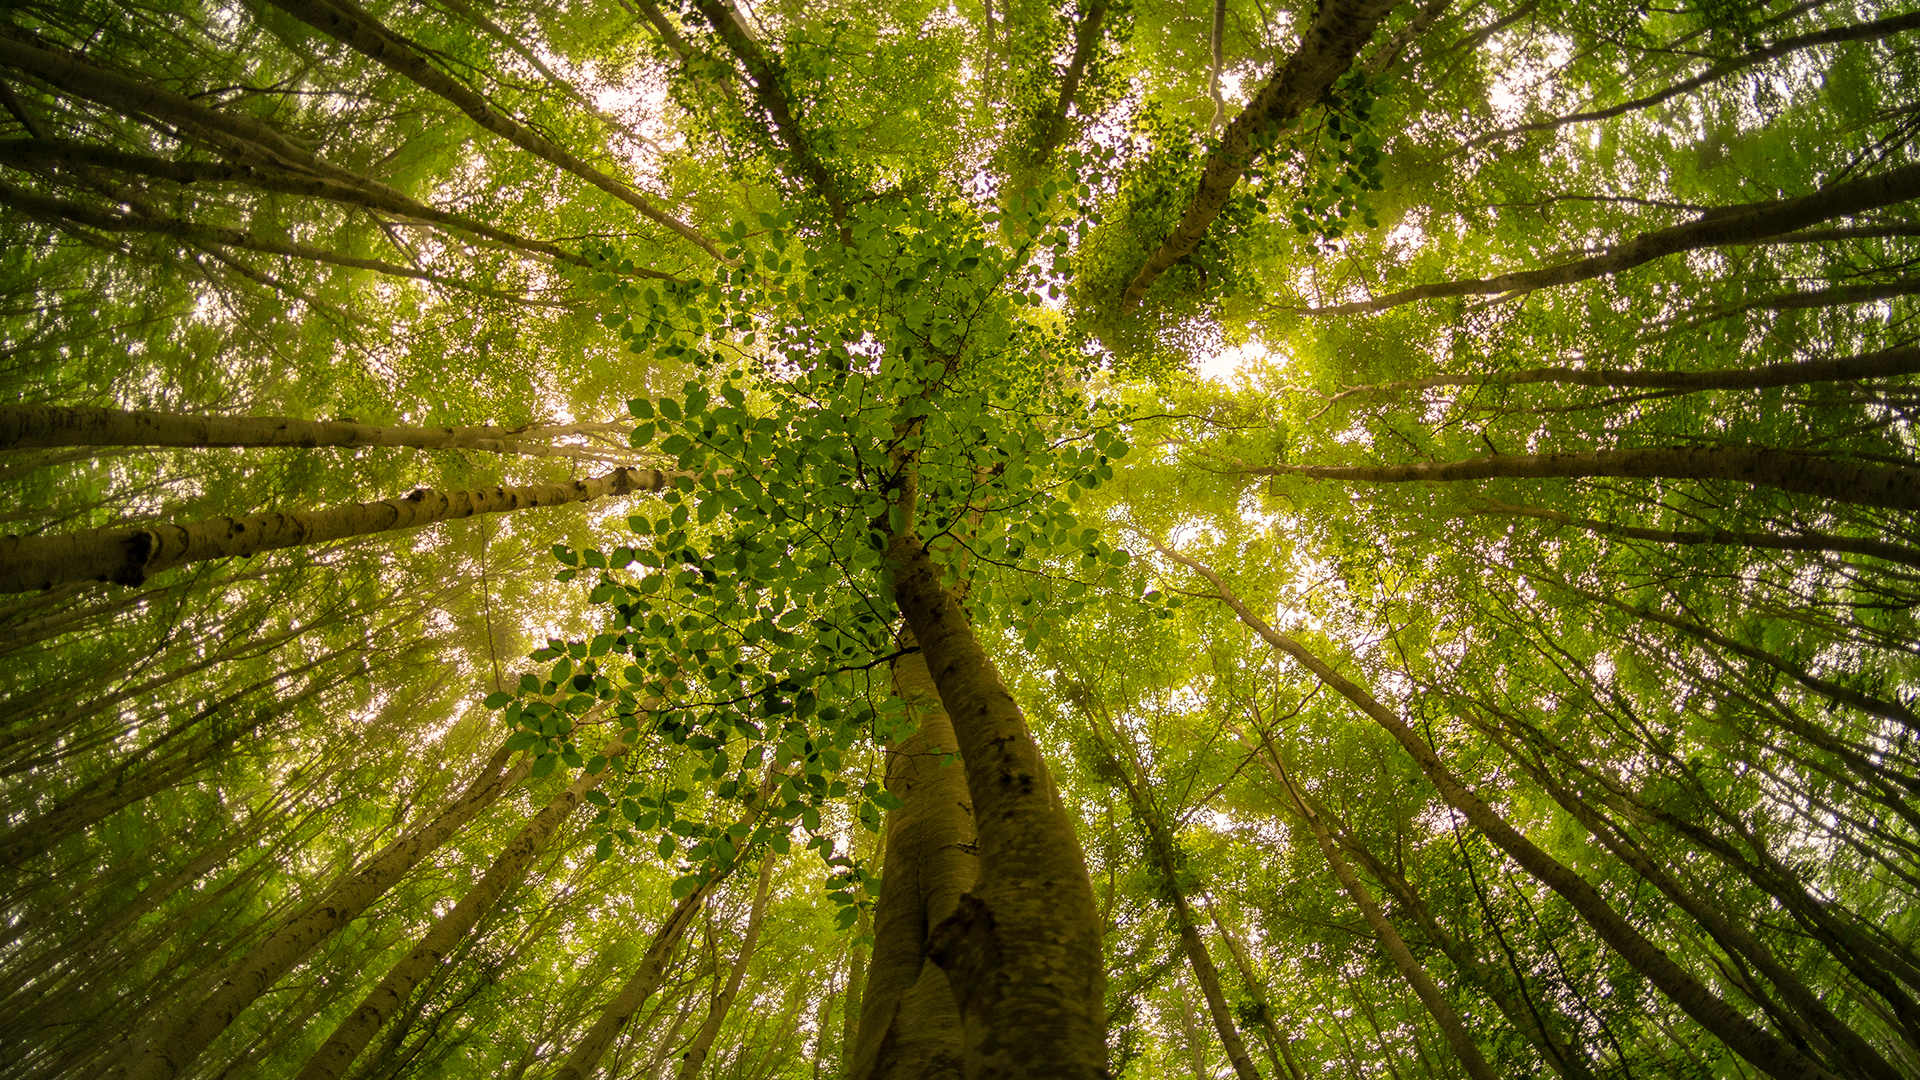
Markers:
point(1508, 671)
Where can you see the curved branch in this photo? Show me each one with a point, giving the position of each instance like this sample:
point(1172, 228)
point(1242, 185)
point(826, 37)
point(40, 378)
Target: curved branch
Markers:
point(352, 26)
point(1894, 487)
point(1746, 224)
point(1339, 31)
point(1852, 545)
point(1833, 35)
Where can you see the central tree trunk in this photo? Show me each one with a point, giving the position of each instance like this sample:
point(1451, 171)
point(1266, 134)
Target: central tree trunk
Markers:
point(1022, 951)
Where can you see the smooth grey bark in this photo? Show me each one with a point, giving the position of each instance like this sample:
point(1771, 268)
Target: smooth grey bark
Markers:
point(1759, 1047)
point(174, 1050)
point(909, 1022)
point(695, 1055)
point(85, 425)
point(1023, 951)
point(1892, 487)
point(128, 556)
point(1340, 29)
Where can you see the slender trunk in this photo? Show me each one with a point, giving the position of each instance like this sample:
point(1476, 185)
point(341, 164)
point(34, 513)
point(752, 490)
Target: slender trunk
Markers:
point(1759, 1047)
point(584, 1060)
point(1160, 848)
point(1023, 951)
point(1724, 226)
point(175, 1049)
point(1766, 541)
point(54, 425)
point(1884, 364)
point(1340, 29)
point(909, 1023)
point(36, 153)
point(1894, 487)
point(129, 556)
point(509, 868)
point(1872, 31)
point(696, 1054)
point(1277, 1047)
point(1391, 943)
point(1860, 1058)
point(348, 23)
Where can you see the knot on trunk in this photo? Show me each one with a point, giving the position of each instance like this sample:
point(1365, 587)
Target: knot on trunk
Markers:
point(966, 945)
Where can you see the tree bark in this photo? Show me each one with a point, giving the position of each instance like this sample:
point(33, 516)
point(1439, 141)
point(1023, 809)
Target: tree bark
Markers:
point(346, 22)
point(1759, 1047)
point(176, 1049)
point(1160, 848)
point(1859, 1056)
point(1023, 951)
point(584, 1059)
point(1384, 932)
point(505, 874)
point(1766, 541)
point(128, 556)
point(1884, 364)
point(696, 1054)
point(909, 1022)
point(1340, 29)
point(1893, 487)
point(84, 425)
point(1744, 224)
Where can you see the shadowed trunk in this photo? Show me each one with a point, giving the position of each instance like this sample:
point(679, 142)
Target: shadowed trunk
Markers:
point(1023, 951)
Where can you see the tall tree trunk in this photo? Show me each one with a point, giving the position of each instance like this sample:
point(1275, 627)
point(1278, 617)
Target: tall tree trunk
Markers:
point(1759, 1047)
point(1722, 226)
point(1340, 29)
point(696, 1054)
point(353, 26)
point(55, 425)
point(1023, 952)
point(1883, 364)
point(175, 1049)
point(1278, 1049)
point(909, 1022)
point(507, 871)
point(1894, 487)
point(1391, 943)
point(130, 556)
point(1161, 849)
point(1764, 541)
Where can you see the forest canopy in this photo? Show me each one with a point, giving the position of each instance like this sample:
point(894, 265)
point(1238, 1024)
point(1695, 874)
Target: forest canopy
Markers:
point(1070, 540)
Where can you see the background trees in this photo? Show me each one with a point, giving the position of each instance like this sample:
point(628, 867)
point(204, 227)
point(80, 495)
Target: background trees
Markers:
point(1542, 581)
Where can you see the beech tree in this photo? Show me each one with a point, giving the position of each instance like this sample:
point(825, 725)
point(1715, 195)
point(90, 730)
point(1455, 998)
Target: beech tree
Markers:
point(1023, 540)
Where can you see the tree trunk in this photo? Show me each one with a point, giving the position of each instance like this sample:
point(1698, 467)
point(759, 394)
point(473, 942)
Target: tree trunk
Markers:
point(1340, 29)
point(1759, 1047)
point(130, 556)
point(1884, 364)
point(1384, 932)
point(1894, 487)
point(1160, 848)
point(696, 1054)
point(909, 1023)
point(175, 1049)
point(1023, 951)
point(346, 22)
point(509, 868)
point(1765, 541)
point(54, 425)
point(1720, 227)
